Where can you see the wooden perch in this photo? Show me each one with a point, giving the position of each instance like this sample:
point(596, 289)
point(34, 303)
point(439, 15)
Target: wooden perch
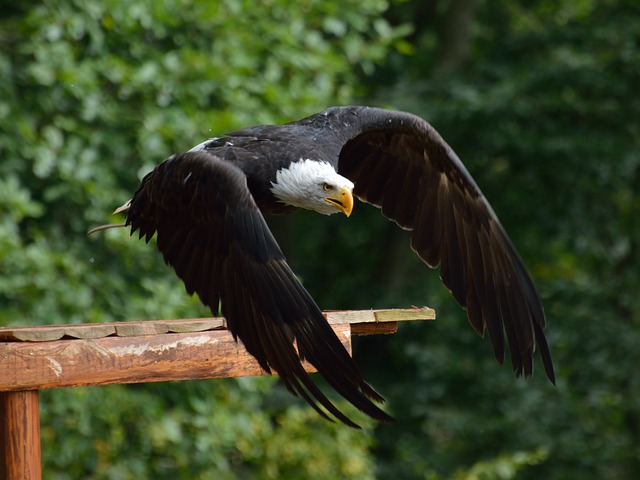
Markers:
point(35, 358)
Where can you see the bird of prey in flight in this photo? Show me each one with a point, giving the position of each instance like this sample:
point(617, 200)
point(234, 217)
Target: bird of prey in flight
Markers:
point(206, 209)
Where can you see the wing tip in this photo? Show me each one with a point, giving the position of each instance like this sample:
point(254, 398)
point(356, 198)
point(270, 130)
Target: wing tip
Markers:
point(545, 353)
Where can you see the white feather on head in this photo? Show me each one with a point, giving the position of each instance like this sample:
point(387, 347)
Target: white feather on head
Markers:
point(302, 183)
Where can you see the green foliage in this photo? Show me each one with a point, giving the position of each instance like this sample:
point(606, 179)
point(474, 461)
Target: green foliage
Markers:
point(544, 113)
point(503, 467)
point(190, 431)
point(95, 93)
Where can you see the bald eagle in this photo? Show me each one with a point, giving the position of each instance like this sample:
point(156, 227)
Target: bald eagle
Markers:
point(206, 209)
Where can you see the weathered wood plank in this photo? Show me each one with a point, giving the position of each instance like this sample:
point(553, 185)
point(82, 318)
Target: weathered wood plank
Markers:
point(377, 322)
point(149, 351)
point(111, 360)
point(34, 358)
point(405, 315)
point(20, 450)
point(365, 319)
point(46, 333)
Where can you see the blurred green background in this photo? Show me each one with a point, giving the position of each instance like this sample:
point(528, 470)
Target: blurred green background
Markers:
point(538, 97)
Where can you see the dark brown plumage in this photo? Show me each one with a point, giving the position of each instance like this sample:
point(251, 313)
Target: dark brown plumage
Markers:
point(402, 165)
point(206, 205)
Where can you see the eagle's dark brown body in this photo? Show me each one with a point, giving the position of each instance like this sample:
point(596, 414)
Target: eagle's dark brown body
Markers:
point(206, 206)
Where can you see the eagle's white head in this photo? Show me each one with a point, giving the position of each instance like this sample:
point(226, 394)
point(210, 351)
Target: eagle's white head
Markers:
point(315, 186)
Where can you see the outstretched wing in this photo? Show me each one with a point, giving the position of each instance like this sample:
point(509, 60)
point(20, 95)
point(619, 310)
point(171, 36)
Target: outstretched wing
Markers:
point(211, 232)
point(400, 164)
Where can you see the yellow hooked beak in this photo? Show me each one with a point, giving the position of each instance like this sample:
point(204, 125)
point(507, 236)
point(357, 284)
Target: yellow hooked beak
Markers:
point(342, 200)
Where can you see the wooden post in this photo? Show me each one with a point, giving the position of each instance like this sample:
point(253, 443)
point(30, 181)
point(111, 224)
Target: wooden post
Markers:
point(34, 358)
point(20, 436)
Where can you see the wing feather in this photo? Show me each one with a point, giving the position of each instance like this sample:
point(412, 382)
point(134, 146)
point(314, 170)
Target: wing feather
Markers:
point(212, 233)
point(406, 206)
point(428, 190)
point(394, 204)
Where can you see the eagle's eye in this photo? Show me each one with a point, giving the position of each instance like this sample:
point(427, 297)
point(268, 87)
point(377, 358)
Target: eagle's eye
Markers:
point(326, 187)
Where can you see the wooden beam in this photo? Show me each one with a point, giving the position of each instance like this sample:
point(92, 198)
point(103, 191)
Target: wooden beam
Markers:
point(150, 351)
point(46, 333)
point(20, 454)
point(374, 322)
point(111, 360)
point(34, 358)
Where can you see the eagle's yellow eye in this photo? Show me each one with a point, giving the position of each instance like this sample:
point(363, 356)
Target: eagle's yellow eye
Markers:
point(326, 187)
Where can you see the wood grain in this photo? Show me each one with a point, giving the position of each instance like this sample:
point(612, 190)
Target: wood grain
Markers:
point(33, 358)
point(20, 454)
point(47, 333)
point(148, 358)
